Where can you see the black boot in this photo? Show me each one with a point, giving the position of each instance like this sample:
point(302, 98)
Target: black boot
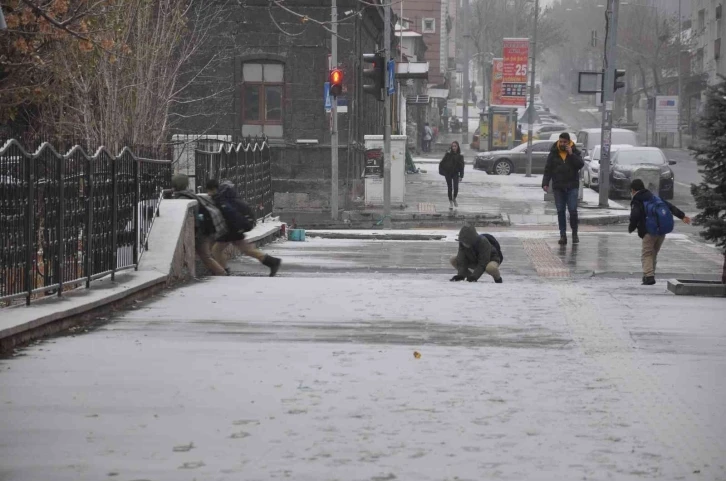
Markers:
point(498, 281)
point(563, 240)
point(575, 238)
point(273, 263)
point(649, 281)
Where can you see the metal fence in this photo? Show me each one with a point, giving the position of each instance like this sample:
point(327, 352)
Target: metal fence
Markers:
point(69, 219)
point(246, 165)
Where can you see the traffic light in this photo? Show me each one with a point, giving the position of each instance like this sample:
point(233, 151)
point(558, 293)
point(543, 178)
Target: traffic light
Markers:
point(617, 84)
point(376, 74)
point(336, 82)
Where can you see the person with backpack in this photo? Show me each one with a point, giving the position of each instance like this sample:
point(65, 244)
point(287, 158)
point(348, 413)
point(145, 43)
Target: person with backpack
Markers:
point(452, 168)
point(208, 223)
point(240, 219)
point(477, 254)
point(653, 218)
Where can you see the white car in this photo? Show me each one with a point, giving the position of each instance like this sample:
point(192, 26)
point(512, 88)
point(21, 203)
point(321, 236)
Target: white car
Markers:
point(555, 137)
point(591, 171)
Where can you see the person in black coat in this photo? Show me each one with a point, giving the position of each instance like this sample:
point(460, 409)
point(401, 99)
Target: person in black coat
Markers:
point(476, 256)
point(651, 243)
point(452, 167)
point(563, 169)
point(237, 215)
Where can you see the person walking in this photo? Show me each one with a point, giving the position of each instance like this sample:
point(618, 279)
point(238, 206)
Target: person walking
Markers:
point(652, 217)
point(240, 220)
point(452, 168)
point(563, 169)
point(477, 254)
point(208, 223)
point(428, 135)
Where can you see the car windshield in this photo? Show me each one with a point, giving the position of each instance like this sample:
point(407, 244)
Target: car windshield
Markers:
point(634, 157)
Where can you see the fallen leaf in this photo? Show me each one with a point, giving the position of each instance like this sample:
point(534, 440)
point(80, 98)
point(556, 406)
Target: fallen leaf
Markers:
point(417, 354)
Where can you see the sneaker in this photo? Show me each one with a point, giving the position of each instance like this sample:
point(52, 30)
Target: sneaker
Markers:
point(456, 204)
point(648, 281)
point(575, 238)
point(451, 204)
point(563, 240)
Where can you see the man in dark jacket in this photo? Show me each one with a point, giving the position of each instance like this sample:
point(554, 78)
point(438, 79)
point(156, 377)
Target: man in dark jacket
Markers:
point(238, 223)
point(651, 243)
point(208, 223)
point(476, 255)
point(563, 168)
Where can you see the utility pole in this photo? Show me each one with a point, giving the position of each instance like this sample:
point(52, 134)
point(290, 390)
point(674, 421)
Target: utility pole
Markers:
point(510, 130)
point(680, 106)
point(530, 117)
point(608, 93)
point(467, 84)
point(334, 114)
point(387, 124)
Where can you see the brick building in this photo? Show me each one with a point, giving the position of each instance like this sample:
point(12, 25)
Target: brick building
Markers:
point(271, 82)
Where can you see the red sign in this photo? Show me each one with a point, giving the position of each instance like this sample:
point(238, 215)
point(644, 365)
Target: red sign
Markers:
point(499, 88)
point(516, 58)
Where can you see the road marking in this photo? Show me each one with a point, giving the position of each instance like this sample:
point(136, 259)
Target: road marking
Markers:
point(545, 262)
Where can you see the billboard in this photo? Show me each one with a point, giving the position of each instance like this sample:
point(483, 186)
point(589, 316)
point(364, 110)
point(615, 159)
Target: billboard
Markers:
point(666, 114)
point(515, 52)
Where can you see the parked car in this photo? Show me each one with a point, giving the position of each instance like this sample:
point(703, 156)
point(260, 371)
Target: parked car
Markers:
point(589, 138)
point(591, 171)
point(647, 163)
point(544, 131)
point(505, 162)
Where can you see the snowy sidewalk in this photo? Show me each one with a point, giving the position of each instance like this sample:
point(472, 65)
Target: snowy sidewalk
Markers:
point(318, 379)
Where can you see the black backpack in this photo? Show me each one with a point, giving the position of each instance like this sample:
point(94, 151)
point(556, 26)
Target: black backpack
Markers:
point(495, 243)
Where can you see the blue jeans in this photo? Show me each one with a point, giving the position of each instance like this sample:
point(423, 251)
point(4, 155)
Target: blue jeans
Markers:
point(566, 198)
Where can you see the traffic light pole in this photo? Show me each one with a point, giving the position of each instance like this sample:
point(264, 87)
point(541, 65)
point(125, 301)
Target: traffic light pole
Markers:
point(334, 114)
point(530, 110)
point(387, 128)
point(608, 94)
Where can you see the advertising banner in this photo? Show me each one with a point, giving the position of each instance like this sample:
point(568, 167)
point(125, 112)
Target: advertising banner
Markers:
point(666, 114)
point(514, 71)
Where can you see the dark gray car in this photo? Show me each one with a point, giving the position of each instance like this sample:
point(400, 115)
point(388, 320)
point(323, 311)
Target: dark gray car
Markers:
point(505, 162)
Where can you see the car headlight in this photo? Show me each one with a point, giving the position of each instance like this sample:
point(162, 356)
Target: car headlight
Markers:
point(618, 175)
point(666, 175)
point(595, 168)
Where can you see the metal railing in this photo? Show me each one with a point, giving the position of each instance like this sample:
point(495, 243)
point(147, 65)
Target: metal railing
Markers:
point(246, 165)
point(69, 219)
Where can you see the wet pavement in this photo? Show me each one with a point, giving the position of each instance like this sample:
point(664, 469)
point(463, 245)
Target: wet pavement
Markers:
point(378, 376)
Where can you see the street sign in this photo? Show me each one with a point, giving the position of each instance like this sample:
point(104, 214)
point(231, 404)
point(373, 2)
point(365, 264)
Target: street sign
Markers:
point(326, 97)
point(514, 71)
point(666, 114)
point(589, 82)
point(391, 77)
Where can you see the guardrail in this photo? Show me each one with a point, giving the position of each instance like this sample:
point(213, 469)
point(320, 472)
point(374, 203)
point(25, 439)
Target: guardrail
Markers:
point(69, 219)
point(246, 165)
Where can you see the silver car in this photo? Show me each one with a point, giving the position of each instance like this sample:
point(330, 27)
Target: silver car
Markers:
point(505, 162)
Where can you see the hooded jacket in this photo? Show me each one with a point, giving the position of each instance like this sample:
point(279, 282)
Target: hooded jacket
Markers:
point(564, 172)
point(637, 211)
point(237, 214)
point(475, 252)
point(452, 165)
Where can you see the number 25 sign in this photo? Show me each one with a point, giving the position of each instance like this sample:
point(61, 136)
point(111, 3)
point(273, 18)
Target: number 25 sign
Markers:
point(516, 56)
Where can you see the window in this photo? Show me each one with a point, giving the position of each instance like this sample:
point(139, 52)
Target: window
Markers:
point(701, 19)
point(428, 25)
point(262, 93)
point(717, 49)
point(542, 147)
point(698, 62)
point(718, 12)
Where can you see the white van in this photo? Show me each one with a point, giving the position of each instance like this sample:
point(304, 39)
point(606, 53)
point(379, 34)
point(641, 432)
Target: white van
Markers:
point(587, 139)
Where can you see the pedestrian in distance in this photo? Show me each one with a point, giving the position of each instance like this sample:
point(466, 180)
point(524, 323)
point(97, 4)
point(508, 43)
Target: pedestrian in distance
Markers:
point(428, 135)
point(240, 219)
point(652, 217)
point(563, 169)
point(452, 168)
point(477, 254)
point(209, 223)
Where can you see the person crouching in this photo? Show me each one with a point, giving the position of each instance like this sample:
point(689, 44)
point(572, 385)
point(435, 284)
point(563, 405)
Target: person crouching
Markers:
point(476, 255)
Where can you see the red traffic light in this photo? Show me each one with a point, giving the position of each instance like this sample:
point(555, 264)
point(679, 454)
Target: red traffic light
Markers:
point(336, 77)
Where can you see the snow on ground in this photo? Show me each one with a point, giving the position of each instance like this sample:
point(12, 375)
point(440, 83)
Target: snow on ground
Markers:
point(316, 379)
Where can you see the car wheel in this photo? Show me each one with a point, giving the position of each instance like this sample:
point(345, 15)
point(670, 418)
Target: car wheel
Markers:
point(503, 167)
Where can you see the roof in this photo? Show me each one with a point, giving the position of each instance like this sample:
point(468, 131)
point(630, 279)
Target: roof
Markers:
point(408, 33)
point(600, 130)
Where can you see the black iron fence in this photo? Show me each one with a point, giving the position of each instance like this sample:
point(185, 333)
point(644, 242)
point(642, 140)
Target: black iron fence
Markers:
point(246, 165)
point(69, 219)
